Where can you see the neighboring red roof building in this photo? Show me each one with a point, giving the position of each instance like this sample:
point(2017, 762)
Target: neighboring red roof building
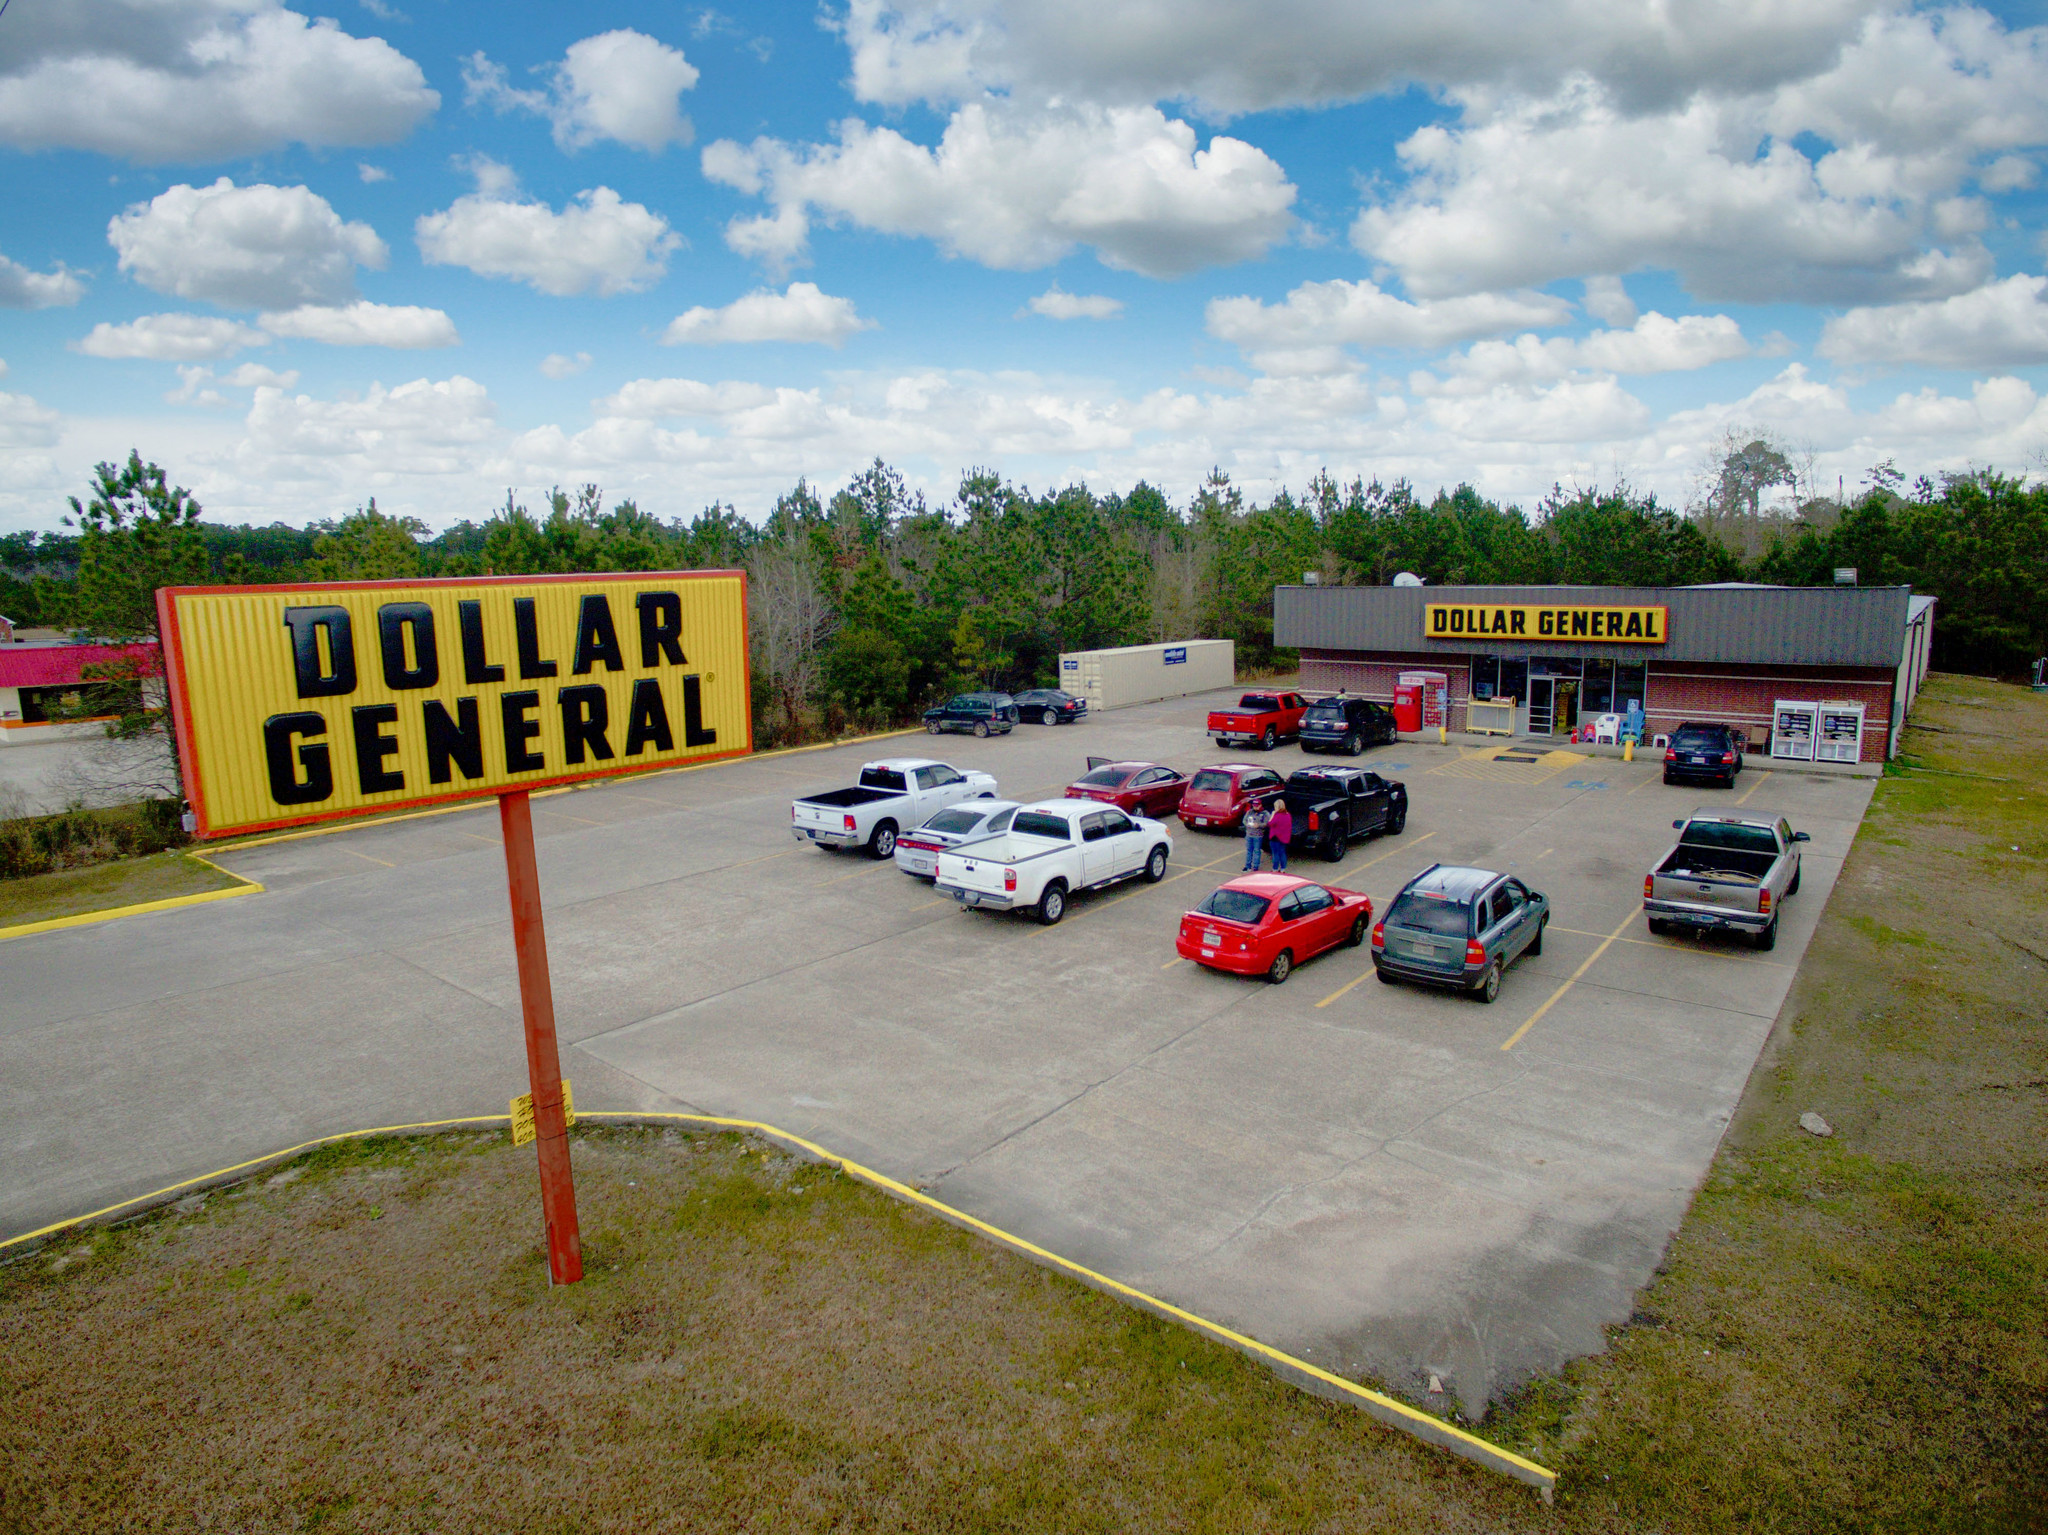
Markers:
point(58, 666)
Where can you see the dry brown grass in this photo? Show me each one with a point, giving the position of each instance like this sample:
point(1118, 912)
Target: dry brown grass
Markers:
point(760, 1344)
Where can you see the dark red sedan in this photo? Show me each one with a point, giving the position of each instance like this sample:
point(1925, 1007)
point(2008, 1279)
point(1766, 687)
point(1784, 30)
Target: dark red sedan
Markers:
point(1142, 788)
point(1266, 924)
point(1218, 796)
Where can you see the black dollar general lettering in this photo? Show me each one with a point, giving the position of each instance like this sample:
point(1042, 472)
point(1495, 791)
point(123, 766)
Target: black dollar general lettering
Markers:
point(300, 761)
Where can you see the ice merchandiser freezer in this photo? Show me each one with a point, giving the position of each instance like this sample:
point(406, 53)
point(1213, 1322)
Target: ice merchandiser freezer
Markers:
point(1793, 724)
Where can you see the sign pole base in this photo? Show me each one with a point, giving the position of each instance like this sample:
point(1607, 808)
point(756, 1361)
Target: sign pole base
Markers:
point(543, 1060)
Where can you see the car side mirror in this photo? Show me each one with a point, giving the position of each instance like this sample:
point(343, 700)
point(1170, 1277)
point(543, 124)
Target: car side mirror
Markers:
point(1678, 826)
point(1800, 836)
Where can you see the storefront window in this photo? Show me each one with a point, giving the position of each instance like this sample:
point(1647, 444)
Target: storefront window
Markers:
point(1628, 684)
point(1599, 689)
point(1514, 678)
point(1485, 676)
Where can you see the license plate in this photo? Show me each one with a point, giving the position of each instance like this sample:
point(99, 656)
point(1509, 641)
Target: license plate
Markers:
point(1211, 940)
point(1199, 820)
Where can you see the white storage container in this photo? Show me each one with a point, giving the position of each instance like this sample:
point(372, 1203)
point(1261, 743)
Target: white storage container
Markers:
point(1143, 674)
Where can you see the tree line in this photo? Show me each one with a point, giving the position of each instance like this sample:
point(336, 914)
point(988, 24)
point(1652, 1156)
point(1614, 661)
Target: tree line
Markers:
point(867, 602)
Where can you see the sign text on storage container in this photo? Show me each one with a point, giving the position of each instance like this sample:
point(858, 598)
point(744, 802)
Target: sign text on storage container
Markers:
point(1532, 621)
point(309, 703)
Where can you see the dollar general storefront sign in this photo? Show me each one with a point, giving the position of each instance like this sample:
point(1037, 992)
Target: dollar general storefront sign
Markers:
point(308, 703)
point(1520, 621)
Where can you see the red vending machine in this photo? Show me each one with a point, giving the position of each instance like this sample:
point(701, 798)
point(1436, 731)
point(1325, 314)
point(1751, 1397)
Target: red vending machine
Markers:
point(1421, 700)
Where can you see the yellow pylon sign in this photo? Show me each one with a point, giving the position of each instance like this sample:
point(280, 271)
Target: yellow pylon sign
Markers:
point(522, 1114)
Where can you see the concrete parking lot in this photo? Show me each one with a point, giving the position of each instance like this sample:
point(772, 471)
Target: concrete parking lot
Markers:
point(1379, 1179)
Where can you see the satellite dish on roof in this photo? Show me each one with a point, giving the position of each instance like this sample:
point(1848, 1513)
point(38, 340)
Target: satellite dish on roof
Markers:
point(1407, 578)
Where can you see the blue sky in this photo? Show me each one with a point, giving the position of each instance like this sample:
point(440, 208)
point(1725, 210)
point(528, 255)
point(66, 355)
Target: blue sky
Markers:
point(428, 250)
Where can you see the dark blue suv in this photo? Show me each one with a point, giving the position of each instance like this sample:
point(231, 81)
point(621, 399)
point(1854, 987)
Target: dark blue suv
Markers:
point(981, 714)
point(1458, 927)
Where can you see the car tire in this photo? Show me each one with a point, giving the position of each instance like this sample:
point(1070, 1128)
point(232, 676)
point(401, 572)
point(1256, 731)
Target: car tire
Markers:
point(1767, 940)
point(1669, 780)
point(1052, 904)
point(1354, 744)
point(931, 727)
point(1155, 865)
point(1050, 717)
point(1334, 847)
point(981, 729)
point(883, 843)
point(1536, 943)
point(1281, 968)
point(1269, 740)
point(1386, 977)
point(1356, 936)
point(1395, 826)
point(1793, 888)
point(1489, 983)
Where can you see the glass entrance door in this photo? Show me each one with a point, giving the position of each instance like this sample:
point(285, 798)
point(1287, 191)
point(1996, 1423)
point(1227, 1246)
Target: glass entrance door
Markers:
point(1542, 705)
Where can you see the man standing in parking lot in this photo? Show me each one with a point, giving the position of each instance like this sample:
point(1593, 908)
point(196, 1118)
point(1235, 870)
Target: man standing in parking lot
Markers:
point(1255, 819)
point(1279, 832)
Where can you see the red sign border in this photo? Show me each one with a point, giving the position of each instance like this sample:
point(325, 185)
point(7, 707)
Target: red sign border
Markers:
point(181, 706)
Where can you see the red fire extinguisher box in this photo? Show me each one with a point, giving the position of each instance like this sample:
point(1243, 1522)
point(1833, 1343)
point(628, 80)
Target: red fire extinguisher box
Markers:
point(1421, 700)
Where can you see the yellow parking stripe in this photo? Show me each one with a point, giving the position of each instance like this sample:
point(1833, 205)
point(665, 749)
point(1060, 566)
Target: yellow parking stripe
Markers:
point(1516, 1037)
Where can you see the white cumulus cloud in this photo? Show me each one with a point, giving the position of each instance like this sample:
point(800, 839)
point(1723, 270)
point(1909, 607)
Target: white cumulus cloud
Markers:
point(426, 427)
point(21, 288)
point(244, 247)
point(600, 243)
point(1305, 332)
point(24, 423)
point(403, 327)
point(1057, 304)
point(166, 80)
point(561, 365)
point(621, 85)
point(802, 313)
point(1654, 344)
point(171, 338)
point(1017, 188)
point(1227, 57)
point(2002, 324)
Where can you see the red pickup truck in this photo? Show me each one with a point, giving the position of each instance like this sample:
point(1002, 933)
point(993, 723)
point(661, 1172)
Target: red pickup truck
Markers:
point(1260, 719)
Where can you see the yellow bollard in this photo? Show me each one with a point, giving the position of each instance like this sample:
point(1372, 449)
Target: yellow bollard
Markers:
point(1443, 736)
point(1628, 750)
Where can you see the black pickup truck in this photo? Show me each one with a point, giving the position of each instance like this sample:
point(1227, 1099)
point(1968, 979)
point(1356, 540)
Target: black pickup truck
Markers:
point(1334, 807)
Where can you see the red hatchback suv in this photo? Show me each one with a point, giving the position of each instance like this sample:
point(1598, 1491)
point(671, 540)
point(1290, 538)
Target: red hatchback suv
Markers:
point(1218, 796)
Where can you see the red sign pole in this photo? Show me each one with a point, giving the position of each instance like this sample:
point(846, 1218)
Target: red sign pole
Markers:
point(543, 1062)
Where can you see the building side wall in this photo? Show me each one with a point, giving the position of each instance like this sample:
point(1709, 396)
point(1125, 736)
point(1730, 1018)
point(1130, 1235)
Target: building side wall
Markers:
point(1371, 674)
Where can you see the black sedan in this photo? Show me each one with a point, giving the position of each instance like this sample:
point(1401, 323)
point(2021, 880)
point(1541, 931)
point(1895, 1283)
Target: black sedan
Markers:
point(1050, 706)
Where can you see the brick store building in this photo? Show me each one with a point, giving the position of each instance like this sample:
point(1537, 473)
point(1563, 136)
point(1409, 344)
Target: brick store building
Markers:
point(1566, 655)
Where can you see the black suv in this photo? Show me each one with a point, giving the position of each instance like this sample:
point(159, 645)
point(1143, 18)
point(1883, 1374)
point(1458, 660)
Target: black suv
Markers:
point(1708, 753)
point(1346, 724)
point(983, 714)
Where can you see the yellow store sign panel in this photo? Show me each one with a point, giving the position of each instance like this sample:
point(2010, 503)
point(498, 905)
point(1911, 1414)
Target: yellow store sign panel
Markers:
point(1542, 622)
point(307, 703)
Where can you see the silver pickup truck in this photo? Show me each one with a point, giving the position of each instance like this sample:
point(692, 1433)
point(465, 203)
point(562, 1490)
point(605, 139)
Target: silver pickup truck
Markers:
point(1730, 870)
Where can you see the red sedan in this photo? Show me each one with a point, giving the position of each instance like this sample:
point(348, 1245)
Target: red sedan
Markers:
point(1142, 788)
point(1266, 924)
point(1218, 796)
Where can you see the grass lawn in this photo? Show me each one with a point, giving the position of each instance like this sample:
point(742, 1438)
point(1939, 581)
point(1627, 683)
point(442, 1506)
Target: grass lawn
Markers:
point(100, 887)
point(1850, 1333)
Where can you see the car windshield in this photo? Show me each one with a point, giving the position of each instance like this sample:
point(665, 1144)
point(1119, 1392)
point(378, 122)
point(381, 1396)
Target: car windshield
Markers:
point(1326, 712)
point(881, 778)
point(954, 821)
point(1109, 777)
point(1210, 780)
point(1258, 704)
point(1317, 780)
point(1727, 838)
point(1234, 906)
point(1431, 914)
point(1699, 741)
point(1039, 823)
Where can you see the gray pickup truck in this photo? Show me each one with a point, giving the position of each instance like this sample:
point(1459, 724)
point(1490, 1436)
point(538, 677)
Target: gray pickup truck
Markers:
point(1730, 870)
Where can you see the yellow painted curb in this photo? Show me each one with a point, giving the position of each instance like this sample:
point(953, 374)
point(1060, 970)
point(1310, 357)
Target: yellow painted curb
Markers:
point(1394, 1413)
point(113, 913)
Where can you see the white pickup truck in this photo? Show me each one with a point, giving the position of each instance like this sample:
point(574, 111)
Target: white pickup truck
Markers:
point(1052, 849)
point(1731, 870)
point(893, 793)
